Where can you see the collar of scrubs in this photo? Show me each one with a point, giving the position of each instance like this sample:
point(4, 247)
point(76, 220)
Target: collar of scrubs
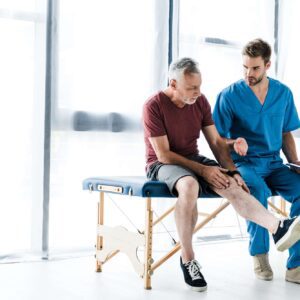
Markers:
point(253, 101)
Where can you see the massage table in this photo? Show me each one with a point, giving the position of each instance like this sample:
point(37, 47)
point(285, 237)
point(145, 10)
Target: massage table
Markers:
point(112, 240)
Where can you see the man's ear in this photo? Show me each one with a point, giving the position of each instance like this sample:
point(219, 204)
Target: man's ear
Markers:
point(173, 83)
point(268, 65)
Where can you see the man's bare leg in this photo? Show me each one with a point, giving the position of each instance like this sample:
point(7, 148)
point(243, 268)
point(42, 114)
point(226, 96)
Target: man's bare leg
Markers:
point(248, 207)
point(186, 214)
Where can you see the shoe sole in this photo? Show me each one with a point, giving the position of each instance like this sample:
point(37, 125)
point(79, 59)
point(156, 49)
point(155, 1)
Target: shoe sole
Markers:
point(197, 288)
point(292, 280)
point(264, 278)
point(291, 237)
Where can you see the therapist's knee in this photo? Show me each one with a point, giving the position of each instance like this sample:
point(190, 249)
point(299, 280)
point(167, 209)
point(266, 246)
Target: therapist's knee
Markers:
point(258, 188)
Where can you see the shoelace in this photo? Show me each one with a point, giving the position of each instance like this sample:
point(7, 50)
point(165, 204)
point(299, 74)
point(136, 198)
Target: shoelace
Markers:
point(194, 269)
point(281, 223)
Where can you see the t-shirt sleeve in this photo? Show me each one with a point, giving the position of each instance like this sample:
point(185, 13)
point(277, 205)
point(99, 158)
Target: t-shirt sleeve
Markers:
point(291, 118)
point(222, 115)
point(207, 119)
point(153, 120)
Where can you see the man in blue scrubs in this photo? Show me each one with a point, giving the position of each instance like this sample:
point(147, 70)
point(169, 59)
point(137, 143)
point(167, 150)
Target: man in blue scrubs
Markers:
point(262, 110)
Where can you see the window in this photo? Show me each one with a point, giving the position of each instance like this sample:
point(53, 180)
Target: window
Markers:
point(214, 32)
point(22, 75)
point(107, 68)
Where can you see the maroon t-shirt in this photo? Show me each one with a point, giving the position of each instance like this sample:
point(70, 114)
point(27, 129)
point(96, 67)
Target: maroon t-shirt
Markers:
point(181, 125)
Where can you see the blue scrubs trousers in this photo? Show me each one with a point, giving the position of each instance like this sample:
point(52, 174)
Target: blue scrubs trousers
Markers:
point(261, 174)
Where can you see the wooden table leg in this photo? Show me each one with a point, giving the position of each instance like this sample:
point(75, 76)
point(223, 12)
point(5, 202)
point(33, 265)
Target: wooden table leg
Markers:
point(148, 244)
point(99, 244)
point(283, 205)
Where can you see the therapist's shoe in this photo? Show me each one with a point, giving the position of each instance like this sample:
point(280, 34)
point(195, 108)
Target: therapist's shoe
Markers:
point(262, 268)
point(192, 275)
point(293, 275)
point(287, 234)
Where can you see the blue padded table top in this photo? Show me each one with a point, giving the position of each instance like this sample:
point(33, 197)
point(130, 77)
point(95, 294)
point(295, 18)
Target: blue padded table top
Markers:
point(131, 185)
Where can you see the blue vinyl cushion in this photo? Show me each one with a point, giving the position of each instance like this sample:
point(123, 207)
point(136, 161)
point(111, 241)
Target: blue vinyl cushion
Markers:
point(132, 185)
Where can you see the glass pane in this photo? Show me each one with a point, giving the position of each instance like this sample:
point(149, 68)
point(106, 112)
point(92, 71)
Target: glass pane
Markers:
point(19, 5)
point(209, 33)
point(106, 63)
point(232, 20)
point(289, 47)
point(21, 124)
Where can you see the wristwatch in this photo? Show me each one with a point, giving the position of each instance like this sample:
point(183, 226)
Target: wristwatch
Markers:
point(233, 172)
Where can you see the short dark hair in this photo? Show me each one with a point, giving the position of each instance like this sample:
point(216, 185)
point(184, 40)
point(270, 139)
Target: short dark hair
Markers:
point(256, 48)
point(183, 66)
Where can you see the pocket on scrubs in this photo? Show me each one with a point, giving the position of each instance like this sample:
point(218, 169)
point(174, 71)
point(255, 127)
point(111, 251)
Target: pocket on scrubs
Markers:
point(275, 163)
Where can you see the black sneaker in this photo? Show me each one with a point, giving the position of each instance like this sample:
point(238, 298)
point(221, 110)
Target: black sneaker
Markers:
point(192, 275)
point(287, 234)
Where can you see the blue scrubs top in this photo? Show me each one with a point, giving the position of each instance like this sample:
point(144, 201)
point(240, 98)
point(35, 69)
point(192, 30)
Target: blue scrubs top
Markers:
point(238, 113)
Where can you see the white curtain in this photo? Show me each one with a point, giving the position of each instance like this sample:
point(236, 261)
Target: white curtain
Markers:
point(112, 55)
point(289, 47)
point(214, 31)
point(22, 77)
point(108, 57)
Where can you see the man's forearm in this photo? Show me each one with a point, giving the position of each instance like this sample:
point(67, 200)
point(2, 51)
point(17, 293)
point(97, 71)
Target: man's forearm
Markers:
point(289, 147)
point(221, 152)
point(230, 143)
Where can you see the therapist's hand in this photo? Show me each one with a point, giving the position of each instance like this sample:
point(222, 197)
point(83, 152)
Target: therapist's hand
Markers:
point(241, 183)
point(240, 146)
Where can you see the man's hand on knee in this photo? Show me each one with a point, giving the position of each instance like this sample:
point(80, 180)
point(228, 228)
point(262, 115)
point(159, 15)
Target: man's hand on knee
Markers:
point(240, 181)
point(215, 176)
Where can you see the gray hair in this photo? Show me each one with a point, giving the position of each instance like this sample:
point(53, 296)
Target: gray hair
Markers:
point(181, 67)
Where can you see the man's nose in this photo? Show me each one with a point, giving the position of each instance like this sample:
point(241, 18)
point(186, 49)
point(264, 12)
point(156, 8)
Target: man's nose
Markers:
point(197, 92)
point(249, 72)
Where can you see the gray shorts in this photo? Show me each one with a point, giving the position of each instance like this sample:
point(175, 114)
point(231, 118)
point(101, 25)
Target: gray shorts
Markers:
point(170, 174)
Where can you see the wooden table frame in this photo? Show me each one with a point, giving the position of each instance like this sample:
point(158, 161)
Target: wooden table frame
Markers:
point(149, 266)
